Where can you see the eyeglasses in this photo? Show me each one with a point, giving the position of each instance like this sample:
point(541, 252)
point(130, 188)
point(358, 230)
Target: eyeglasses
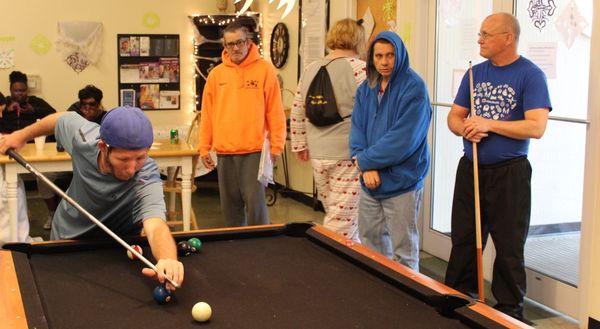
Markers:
point(486, 36)
point(239, 44)
point(88, 104)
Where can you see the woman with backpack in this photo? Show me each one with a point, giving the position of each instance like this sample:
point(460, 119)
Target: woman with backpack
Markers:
point(320, 124)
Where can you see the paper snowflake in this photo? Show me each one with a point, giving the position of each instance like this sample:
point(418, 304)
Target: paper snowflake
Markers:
point(77, 62)
point(571, 23)
point(389, 10)
point(540, 12)
point(7, 58)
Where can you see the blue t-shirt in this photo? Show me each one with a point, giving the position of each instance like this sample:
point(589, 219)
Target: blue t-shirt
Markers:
point(120, 205)
point(503, 93)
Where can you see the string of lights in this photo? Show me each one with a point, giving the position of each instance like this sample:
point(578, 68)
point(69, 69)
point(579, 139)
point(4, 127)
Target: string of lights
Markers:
point(220, 20)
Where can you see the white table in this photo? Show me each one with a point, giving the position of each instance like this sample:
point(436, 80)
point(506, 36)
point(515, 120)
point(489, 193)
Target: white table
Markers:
point(49, 160)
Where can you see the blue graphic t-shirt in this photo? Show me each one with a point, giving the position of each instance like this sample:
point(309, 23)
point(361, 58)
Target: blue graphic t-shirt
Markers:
point(503, 93)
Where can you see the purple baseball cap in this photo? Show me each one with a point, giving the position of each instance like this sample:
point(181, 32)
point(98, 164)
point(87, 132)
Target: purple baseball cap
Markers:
point(127, 128)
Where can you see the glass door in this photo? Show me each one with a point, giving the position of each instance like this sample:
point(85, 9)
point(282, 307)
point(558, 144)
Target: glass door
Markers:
point(556, 36)
point(456, 27)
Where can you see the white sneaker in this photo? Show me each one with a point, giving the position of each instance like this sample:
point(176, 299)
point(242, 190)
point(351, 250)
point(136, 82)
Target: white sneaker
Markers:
point(48, 223)
point(37, 239)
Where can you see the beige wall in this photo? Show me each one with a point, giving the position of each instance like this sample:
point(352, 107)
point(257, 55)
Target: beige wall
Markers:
point(60, 83)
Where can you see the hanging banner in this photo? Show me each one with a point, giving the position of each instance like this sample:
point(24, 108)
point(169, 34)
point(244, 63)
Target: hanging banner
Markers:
point(79, 43)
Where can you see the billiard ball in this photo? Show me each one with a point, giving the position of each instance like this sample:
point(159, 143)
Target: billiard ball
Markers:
point(195, 243)
point(162, 295)
point(201, 312)
point(183, 248)
point(136, 248)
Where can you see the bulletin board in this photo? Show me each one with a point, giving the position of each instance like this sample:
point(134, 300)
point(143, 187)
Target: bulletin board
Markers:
point(383, 12)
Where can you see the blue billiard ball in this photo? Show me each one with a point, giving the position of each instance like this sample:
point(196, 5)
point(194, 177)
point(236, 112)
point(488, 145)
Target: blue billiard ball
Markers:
point(162, 295)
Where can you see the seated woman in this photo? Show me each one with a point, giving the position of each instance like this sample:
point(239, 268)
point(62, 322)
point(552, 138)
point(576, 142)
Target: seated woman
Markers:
point(90, 104)
point(21, 111)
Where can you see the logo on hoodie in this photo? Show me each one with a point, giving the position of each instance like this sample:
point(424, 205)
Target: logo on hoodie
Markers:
point(251, 84)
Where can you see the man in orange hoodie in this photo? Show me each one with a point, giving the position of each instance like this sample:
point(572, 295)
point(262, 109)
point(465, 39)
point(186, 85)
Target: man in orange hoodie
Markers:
point(241, 105)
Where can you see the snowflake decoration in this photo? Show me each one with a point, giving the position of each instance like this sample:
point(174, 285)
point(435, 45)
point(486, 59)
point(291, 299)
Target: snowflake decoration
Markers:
point(77, 62)
point(540, 12)
point(389, 10)
point(40, 44)
point(7, 58)
point(571, 23)
point(289, 5)
point(151, 20)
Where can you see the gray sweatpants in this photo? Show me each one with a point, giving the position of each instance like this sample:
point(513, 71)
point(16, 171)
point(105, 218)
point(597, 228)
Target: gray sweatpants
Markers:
point(242, 195)
point(389, 226)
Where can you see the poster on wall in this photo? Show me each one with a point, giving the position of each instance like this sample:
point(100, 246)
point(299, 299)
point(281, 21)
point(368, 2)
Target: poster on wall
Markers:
point(314, 17)
point(380, 15)
point(543, 54)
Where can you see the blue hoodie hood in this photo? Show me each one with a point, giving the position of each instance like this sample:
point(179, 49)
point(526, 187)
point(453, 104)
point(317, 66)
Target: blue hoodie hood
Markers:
point(401, 63)
point(390, 134)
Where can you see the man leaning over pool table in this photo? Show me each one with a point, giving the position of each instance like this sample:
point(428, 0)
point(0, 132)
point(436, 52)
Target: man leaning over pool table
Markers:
point(113, 179)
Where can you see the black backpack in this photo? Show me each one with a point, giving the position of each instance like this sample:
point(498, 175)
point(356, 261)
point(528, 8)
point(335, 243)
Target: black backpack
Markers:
point(320, 104)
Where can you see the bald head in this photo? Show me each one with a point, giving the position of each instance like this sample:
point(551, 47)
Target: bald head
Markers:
point(508, 22)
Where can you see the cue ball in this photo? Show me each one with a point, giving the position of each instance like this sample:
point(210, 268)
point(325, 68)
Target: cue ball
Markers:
point(201, 312)
point(137, 248)
point(195, 243)
point(162, 295)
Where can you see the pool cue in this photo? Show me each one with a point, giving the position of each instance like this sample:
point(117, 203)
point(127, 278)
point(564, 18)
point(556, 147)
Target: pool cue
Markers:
point(18, 158)
point(477, 205)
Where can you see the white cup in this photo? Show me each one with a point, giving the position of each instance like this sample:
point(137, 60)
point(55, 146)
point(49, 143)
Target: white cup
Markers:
point(39, 143)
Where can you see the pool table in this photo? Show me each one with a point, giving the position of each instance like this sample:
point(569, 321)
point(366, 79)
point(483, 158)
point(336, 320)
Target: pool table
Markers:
point(297, 275)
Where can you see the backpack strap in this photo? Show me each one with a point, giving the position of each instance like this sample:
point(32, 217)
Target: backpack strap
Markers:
point(349, 115)
point(332, 61)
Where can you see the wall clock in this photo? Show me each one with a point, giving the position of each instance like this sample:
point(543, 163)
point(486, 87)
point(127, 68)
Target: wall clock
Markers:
point(280, 44)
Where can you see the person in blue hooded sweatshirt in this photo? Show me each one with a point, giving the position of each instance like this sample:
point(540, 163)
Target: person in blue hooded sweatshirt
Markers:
point(388, 142)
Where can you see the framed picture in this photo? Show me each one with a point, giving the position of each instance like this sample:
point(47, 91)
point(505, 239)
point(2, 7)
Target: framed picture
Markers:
point(149, 96)
point(124, 46)
point(169, 99)
point(148, 65)
point(127, 97)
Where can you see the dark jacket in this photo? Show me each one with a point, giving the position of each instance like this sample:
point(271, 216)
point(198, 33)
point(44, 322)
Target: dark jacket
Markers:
point(76, 107)
point(18, 116)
